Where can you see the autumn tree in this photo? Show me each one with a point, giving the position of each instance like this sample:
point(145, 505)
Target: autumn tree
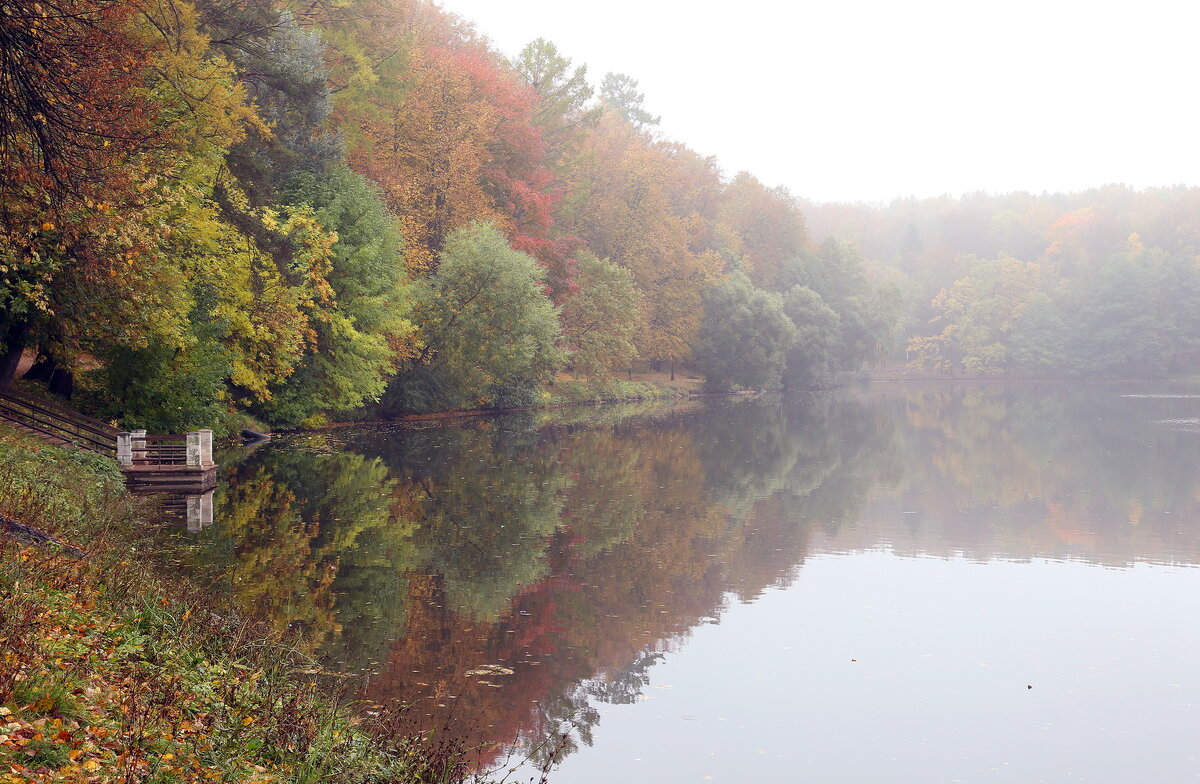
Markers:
point(77, 134)
point(976, 317)
point(627, 217)
point(98, 271)
point(768, 224)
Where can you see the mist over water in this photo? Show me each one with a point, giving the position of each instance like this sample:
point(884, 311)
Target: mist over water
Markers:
point(909, 582)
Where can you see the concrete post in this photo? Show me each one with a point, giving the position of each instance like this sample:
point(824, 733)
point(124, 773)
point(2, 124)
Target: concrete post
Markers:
point(193, 449)
point(206, 447)
point(125, 449)
point(139, 445)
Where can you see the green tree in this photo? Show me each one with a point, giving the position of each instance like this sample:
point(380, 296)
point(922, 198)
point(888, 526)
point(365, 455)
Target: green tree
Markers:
point(811, 360)
point(563, 94)
point(743, 335)
point(172, 388)
point(1138, 317)
point(620, 92)
point(600, 321)
point(866, 314)
point(287, 81)
point(1039, 336)
point(361, 333)
point(489, 331)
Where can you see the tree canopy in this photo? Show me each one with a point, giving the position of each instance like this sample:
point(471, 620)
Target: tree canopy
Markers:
point(230, 209)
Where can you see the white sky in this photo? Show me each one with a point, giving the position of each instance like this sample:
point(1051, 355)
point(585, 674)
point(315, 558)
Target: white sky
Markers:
point(872, 99)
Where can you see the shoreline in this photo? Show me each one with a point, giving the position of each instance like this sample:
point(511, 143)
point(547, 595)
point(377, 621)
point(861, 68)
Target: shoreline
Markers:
point(117, 668)
point(887, 379)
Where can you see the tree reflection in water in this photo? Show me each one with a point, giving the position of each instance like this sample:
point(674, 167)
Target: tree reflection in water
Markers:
point(507, 574)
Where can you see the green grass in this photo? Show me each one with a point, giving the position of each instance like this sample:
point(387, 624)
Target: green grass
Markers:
point(581, 391)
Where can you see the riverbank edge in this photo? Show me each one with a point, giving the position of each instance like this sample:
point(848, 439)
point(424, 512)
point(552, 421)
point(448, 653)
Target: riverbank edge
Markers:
point(566, 394)
point(115, 668)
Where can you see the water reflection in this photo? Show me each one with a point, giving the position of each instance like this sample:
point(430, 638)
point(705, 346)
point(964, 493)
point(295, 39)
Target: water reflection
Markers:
point(524, 572)
point(194, 510)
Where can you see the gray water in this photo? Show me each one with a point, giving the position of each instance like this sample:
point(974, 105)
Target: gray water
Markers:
point(975, 582)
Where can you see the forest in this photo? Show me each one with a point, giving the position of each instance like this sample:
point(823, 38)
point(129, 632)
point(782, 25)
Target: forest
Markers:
point(229, 212)
point(295, 210)
point(1104, 283)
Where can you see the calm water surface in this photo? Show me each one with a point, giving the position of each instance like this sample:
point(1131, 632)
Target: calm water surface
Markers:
point(906, 583)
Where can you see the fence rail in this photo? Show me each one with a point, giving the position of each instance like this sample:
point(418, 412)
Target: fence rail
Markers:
point(139, 448)
point(137, 451)
point(57, 422)
point(151, 461)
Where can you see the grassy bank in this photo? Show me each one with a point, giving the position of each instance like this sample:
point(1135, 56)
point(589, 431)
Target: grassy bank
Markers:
point(111, 671)
point(642, 386)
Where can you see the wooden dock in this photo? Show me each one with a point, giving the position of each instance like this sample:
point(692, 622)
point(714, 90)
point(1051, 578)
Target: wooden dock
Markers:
point(169, 463)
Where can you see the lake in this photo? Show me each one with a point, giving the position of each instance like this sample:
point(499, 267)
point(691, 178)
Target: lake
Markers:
point(902, 582)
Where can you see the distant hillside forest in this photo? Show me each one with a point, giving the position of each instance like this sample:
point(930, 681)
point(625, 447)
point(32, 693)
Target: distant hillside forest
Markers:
point(1102, 283)
point(297, 209)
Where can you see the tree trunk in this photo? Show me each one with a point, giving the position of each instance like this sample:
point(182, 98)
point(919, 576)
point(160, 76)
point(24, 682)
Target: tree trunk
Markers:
point(59, 379)
point(14, 345)
point(62, 382)
point(42, 369)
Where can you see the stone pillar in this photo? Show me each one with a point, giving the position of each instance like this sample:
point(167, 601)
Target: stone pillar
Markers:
point(124, 449)
point(193, 449)
point(139, 445)
point(206, 447)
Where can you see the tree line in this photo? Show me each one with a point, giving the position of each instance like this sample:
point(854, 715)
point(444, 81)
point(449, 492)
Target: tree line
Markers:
point(295, 209)
point(1103, 283)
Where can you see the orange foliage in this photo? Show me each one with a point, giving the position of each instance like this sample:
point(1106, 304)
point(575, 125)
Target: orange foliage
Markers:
point(428, 153)
point(450, 139)
point(630, 220)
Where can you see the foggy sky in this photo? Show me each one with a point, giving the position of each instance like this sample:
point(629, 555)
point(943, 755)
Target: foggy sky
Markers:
point(869, 100)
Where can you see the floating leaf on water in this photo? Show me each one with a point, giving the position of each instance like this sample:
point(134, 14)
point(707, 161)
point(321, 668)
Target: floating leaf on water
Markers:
point(490, 669)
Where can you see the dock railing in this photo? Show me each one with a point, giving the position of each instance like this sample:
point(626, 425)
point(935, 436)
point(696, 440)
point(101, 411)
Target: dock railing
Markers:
point(158, 461)
point(55, 422)
point(139, 448)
